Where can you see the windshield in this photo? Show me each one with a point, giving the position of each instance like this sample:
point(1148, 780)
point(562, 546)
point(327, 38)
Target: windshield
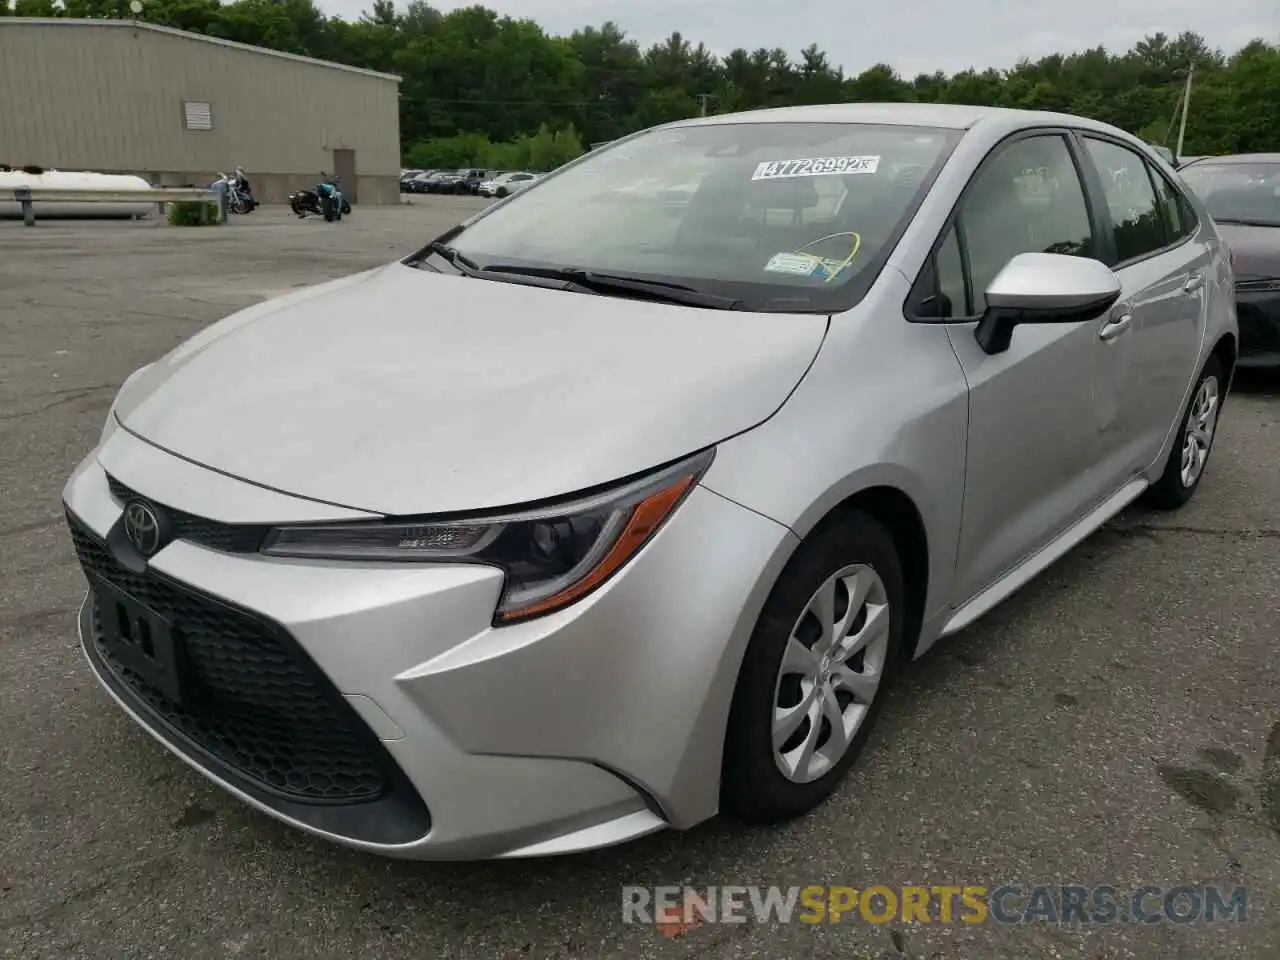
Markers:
point(782, 216)
point(1238, 192)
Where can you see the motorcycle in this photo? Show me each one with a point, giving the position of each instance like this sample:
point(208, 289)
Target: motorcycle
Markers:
point(326, 200)
point(239, 194)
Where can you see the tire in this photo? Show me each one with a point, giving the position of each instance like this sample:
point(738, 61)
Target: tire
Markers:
point(502, 193)
point(753, 787)
point(326, 208)
point(346, 208)
point(1177, 485)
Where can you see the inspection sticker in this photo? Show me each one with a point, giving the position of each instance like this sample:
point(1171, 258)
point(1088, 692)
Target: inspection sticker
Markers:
point(799, 264)
point(815, 167)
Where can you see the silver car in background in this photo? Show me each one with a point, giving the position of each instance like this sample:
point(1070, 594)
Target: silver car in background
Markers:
point(505, 184)
point(600, 515)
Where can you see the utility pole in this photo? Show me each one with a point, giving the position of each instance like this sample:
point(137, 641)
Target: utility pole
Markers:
point(1168, 131)
point(1186, 106)
point(702, 102)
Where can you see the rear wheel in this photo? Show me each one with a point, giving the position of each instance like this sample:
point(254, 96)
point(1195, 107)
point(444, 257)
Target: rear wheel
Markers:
point(811, 682)
point(1184, 469)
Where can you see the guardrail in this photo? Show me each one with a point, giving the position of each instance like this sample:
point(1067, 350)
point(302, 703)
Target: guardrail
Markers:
point(28, 197)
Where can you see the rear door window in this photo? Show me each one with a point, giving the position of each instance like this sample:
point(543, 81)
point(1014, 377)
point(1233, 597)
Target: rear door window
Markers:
point(1180, 219)
point(1136, 219)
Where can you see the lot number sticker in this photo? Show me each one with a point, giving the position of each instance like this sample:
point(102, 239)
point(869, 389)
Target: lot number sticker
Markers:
point(815, 167)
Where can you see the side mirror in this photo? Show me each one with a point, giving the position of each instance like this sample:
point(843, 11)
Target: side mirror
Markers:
point(1044, 288)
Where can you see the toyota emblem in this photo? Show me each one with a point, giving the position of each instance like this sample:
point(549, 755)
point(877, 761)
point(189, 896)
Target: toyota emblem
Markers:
point(142, 527)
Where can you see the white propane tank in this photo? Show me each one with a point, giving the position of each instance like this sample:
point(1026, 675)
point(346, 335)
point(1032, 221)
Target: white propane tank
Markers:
point(72, 180)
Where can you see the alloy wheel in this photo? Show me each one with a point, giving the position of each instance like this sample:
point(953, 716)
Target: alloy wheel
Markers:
point(830, 672)
point(1202, 421)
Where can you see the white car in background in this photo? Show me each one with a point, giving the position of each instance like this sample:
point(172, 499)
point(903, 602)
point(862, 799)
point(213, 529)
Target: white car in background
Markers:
point(506, 184)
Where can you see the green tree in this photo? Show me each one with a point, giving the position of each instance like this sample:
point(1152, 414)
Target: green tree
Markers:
point(479, 88)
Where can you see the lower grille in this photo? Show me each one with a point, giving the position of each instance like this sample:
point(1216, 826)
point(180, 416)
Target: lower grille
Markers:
point(258, 705)
point(1259, 333)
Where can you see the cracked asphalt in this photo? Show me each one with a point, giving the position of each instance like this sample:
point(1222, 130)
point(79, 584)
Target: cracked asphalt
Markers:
point(1117, 722)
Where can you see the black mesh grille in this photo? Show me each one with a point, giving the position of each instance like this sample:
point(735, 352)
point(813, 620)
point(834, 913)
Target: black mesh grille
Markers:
point(259, 705)
point(227, 537)
point(1258, 334)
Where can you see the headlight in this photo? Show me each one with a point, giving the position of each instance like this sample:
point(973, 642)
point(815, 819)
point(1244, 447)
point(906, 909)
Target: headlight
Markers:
point(552, 557)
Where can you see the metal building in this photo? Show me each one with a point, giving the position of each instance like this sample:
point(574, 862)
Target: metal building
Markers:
point(117, 96)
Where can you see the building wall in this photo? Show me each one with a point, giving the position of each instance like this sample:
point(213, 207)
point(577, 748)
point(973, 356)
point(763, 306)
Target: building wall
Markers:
point(109, 97)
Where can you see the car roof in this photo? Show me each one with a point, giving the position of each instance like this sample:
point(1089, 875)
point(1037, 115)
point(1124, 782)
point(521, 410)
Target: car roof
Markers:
point(1237, 158)
point(954, 116)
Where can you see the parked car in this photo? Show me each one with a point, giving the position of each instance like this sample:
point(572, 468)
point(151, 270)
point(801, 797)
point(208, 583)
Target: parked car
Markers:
point(505, 184)
point(407, 178)
point(1242, 194)
point(471, 180)
point(457, 181)
point(431, 182)
point(602, 524)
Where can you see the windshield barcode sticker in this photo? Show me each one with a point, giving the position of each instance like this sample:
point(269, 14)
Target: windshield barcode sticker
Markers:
point(815, 167)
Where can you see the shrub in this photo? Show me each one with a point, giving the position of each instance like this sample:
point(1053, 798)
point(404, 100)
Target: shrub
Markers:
point(193, 213)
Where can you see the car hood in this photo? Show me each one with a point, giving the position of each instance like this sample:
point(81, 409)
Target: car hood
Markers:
point(401, 391)
point(1255, 251)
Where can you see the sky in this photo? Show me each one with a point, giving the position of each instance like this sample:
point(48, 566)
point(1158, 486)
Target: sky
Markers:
point(914, 36)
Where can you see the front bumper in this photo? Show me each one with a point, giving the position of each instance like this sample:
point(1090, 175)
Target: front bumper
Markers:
point(1258, 312)
point(449, 739)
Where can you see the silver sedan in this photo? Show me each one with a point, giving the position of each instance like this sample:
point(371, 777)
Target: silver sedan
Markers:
point(620, 504)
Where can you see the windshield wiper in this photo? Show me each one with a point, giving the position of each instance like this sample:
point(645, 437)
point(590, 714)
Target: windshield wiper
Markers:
point(459, 260)
point(607, 283)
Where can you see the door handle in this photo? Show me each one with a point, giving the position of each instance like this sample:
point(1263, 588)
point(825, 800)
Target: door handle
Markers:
point(1193, 284)
point(1113, 328)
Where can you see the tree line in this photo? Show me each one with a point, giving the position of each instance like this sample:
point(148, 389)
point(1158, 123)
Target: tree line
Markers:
point(486, 89)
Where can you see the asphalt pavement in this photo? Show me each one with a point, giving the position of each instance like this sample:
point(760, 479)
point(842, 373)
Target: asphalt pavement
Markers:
point(1117, 722)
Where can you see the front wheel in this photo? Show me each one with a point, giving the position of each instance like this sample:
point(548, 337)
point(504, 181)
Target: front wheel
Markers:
point(327, 209)
point(502, 193)
point(1184, 469)
point(811, 682)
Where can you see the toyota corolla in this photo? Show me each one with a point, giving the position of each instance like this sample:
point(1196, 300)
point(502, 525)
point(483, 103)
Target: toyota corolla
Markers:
point(601, 515)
